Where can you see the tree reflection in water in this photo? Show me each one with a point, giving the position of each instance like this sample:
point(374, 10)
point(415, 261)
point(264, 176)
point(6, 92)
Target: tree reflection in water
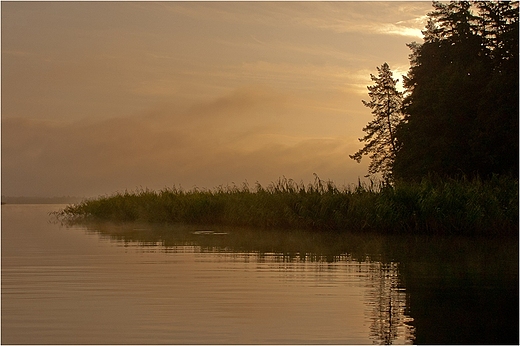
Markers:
point(388, 301)
point(414, 282)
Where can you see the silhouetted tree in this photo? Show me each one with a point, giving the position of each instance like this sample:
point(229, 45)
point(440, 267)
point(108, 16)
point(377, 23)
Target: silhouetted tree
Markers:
point(462, 94)
point(495, 136)
point(380, 143)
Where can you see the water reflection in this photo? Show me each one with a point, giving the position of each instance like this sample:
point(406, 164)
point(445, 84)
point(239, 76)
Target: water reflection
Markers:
point(288, 245)
point(421, 290)
point(388, 299)
point(353, 256)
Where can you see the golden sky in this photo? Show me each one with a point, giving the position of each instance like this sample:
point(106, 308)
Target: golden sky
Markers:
point(99, 97)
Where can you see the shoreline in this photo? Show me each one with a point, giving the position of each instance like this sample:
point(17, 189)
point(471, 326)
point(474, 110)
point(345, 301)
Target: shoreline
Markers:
point(460, 207)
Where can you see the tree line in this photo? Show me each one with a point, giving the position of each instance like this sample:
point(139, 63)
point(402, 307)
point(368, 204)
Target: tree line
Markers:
point(458, 115)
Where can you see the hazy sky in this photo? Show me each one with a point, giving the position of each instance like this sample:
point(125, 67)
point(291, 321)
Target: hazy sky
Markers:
point(99, 97)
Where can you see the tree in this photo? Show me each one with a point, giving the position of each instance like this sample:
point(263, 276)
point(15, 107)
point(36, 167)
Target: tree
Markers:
point(461, 109)
point(380, 142)
point(496, 131)
point(498, 25)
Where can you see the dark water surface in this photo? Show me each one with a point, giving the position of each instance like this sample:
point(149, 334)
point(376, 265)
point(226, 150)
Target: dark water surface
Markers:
point(144, 284)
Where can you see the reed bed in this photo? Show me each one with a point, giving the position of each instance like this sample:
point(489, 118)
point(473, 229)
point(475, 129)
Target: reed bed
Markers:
point(432, 206)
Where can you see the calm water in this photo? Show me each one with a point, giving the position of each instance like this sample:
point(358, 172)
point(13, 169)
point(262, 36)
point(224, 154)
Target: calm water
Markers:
point(191, 285)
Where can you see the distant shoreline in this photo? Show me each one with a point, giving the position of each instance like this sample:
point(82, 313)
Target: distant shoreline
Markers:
point(41, 200)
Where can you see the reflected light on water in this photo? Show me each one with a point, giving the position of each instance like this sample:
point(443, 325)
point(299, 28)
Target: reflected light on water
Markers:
point(383, 297)
point(112, 285)
point(179, 284)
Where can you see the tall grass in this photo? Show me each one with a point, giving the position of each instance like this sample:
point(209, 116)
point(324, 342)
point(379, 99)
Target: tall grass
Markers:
point(432, 206)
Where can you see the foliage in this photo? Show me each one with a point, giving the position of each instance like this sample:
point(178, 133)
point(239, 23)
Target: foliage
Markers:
point(461, 108)
point(385, 102)
point(434, 206)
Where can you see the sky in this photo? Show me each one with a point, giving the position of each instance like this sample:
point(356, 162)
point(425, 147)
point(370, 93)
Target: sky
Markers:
point(103, 97)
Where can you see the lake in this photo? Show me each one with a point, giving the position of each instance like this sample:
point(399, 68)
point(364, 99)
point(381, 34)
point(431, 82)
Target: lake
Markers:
point(183, 284)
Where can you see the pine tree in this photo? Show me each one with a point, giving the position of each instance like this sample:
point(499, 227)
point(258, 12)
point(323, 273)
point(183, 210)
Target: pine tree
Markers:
point(461, 109)
point(498, 25)
point(380, 142)
point(446, 75)
point(495, 133)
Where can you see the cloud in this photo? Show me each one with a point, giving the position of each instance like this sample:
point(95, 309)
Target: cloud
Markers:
point(103, 96)
point(339, 17)
point(157, 87)
point(240, 100)
point(394, 29)
point(167, 146)
point(359, 17)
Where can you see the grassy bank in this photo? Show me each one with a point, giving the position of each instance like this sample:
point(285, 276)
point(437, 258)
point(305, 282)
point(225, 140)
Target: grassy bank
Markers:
point(434, 207)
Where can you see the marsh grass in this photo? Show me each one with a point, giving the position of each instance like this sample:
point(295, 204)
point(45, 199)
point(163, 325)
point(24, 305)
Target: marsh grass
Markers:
point(433, 206)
